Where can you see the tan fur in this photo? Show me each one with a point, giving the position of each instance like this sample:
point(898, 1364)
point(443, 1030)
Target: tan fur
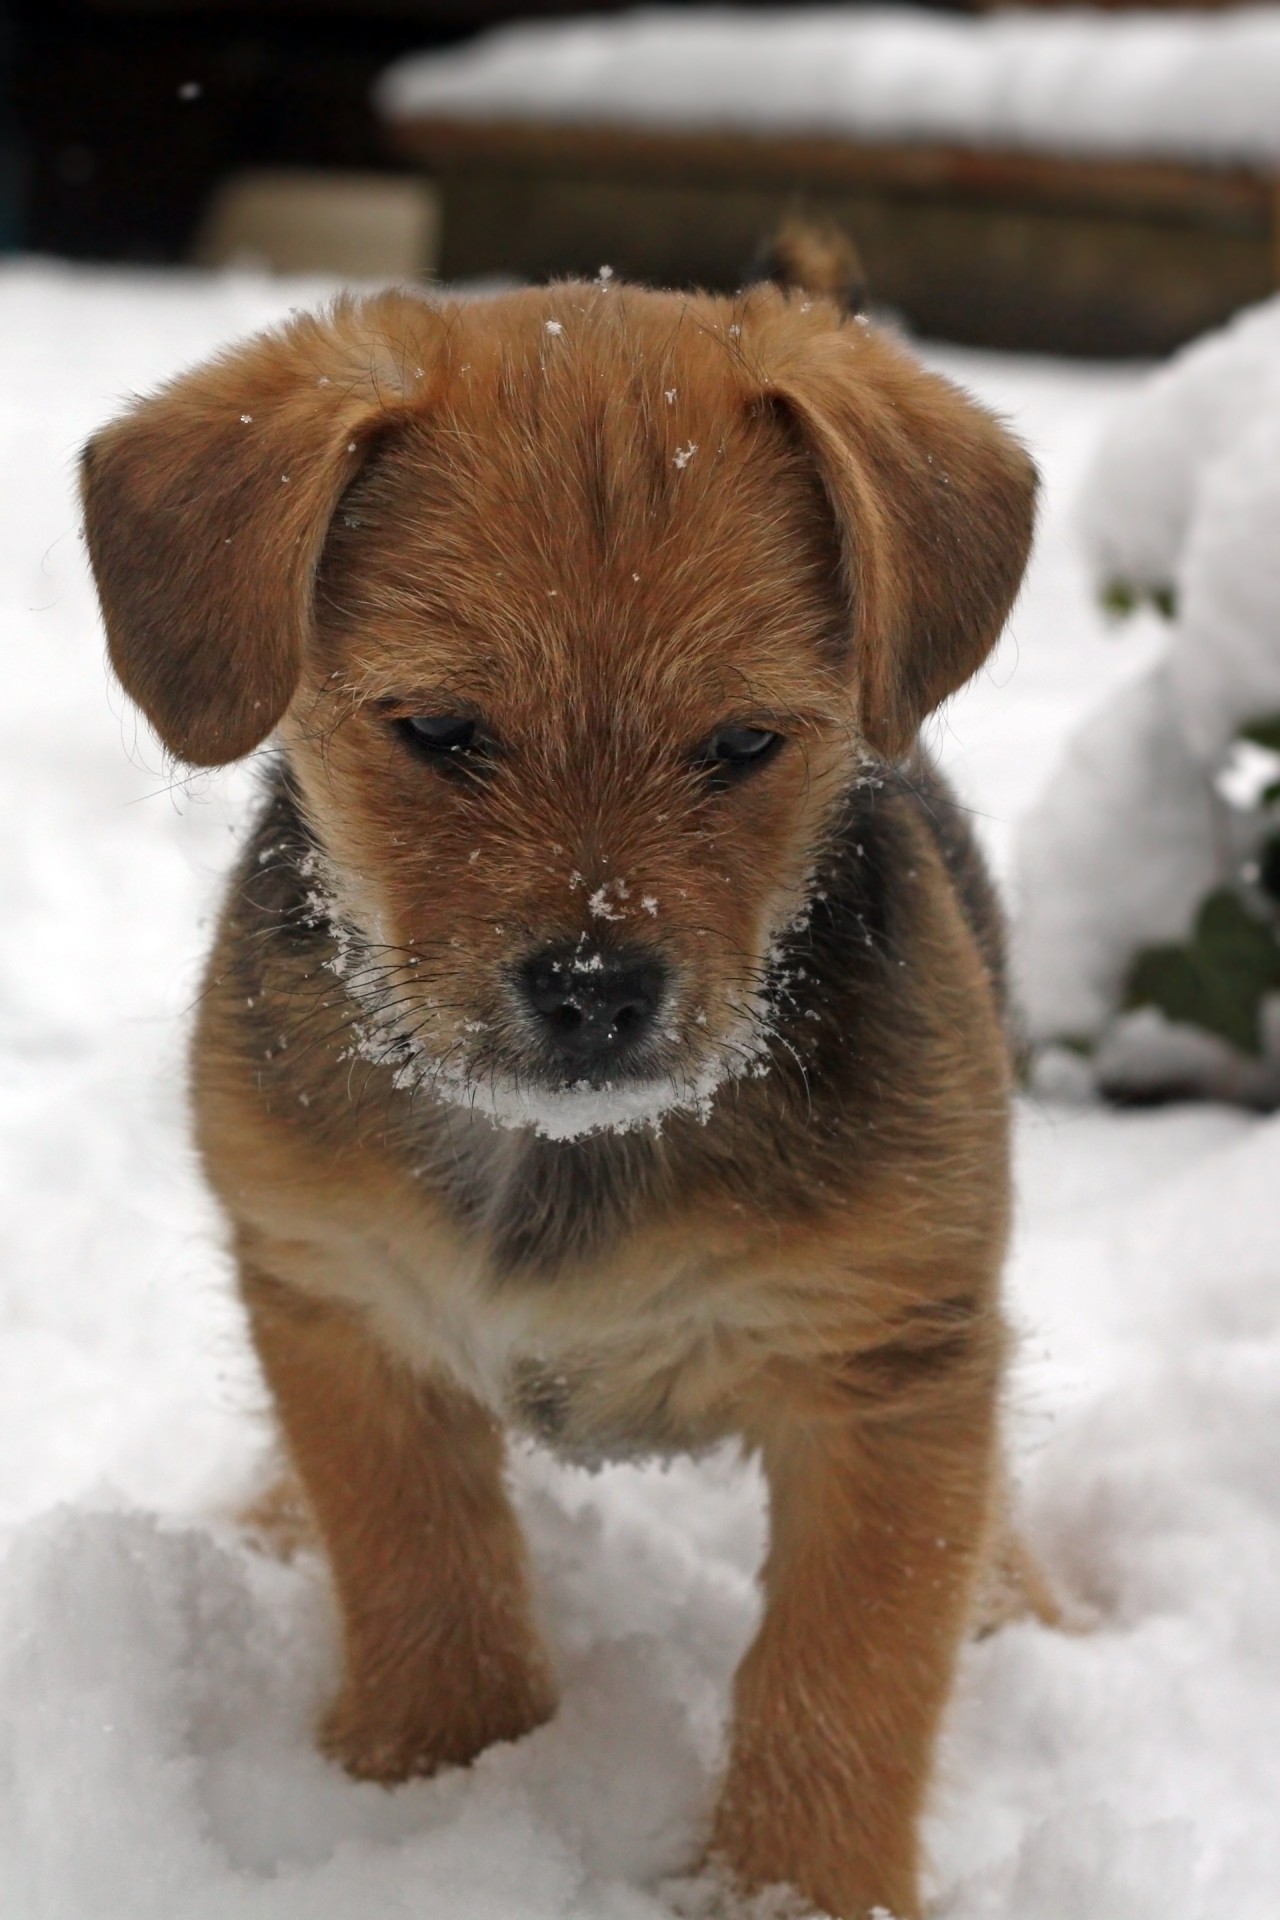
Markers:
point(819, 257)
point(608, 522)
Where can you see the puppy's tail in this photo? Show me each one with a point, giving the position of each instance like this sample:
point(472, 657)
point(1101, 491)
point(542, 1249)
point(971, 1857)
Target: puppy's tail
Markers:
point(814, 256)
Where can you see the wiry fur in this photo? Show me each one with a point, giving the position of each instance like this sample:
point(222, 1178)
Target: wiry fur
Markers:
point(607, 522)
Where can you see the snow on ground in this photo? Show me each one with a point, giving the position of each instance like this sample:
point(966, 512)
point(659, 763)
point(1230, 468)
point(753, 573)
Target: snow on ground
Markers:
point(158, 1679)
point(1186, 86)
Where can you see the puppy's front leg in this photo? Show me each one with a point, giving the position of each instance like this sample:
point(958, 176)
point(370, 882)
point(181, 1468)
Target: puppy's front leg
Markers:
point(405, 1478)
point(876, 1531)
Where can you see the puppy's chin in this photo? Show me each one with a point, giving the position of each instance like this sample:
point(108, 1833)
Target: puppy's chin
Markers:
point(571, 1113)
point(628, 1104)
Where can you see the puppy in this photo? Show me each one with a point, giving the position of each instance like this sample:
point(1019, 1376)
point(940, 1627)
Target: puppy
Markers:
point(603, 1034)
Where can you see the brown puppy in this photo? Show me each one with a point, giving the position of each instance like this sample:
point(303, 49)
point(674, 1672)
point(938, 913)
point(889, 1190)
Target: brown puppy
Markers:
point(603, 1035)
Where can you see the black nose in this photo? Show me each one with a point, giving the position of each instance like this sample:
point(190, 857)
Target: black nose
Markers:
point(593, 1003)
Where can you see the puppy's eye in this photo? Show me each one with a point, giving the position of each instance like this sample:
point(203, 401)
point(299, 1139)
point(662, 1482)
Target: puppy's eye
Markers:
point(445, 733)
point(734, 751)
point(457, 744)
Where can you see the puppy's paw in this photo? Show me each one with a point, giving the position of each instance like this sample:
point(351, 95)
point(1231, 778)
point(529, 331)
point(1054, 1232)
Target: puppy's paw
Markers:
point(371, 1749)
point(389, 1738)
point(784, 1849)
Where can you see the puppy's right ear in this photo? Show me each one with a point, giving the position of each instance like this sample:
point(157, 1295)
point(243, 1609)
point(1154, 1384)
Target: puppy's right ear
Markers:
point(206, 509)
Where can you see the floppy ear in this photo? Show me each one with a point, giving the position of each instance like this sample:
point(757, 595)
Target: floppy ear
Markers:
point(206, 509)
point(934, 503)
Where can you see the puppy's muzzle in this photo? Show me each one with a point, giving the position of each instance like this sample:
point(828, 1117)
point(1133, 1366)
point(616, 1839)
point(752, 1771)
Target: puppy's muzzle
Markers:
point(593, 1008)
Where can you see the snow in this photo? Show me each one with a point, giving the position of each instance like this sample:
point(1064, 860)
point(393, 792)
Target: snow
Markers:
point(159, 1676)
point(1138, 505)
point(1179, 86)
point(1148, 809)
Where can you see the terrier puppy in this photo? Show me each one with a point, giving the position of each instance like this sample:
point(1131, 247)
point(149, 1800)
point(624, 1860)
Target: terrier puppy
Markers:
point(603, 1036)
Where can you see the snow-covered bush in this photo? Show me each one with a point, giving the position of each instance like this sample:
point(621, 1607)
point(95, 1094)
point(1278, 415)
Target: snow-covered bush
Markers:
point(1148, 927)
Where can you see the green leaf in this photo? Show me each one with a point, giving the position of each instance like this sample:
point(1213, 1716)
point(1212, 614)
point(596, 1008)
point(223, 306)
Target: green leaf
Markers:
point(1123, 597)
point(1119, 598)
point(1218, 980)
point(1267, 866)
point(1083, 1044)
point(1263, 733)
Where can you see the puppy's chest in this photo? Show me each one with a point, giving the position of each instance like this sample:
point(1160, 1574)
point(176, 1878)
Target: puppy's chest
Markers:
point(638, 1355)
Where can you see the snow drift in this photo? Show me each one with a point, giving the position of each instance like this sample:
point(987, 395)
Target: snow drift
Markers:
point(1156, 803)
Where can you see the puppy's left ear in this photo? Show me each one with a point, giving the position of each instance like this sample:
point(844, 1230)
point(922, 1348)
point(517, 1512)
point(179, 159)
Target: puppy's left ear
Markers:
point(206, 509)
point(934, 503)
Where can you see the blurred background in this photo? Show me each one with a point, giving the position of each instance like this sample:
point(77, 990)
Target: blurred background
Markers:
point(1010, 181)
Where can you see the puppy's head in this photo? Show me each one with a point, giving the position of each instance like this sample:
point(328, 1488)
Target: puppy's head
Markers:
point(577, 612)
